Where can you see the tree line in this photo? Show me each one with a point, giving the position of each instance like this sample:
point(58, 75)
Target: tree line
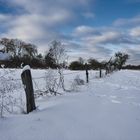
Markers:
point(22, 53)
point(115, 63)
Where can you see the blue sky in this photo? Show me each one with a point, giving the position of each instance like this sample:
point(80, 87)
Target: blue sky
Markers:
point(87, 28)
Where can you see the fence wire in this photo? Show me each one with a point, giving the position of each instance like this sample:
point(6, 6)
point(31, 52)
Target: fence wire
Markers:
point(41, 77)
point(39, 83)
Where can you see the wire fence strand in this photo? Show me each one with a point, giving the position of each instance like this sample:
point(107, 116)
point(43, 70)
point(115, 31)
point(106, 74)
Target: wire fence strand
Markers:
point(42, 77)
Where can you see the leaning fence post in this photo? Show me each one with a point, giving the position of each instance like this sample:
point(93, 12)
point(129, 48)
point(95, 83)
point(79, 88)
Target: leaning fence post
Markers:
point(28, 87)
point(86, 66)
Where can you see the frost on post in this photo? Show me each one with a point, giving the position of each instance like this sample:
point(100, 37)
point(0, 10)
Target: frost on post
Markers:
point(28, 87)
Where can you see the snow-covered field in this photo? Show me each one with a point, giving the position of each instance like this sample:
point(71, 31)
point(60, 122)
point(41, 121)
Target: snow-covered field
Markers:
point(104, 109)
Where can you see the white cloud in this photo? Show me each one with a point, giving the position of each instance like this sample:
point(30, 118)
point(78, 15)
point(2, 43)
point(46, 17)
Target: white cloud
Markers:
point(40, 18)
point(134, 53)
point(89, 15)
point(130, 21)
point(46, 6)
point(37, 23)
point(5, 18)
point(106, 37)
point(135, 32)
point(103, 42)
point(84, 31)
point(41, 21)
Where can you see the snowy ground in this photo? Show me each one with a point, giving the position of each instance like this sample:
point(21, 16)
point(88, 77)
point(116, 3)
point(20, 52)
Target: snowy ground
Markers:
point(104, 109)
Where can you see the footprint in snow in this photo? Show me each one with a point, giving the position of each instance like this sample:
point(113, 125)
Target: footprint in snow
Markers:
point(100, 96)
point(135, 104)
point(113, 97)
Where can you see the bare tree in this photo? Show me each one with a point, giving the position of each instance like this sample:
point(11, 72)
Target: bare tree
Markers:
point(120, 59)
point(18, 48)
point(8, 45)
point(81, 60)
point(30, 49)
point(58, 54)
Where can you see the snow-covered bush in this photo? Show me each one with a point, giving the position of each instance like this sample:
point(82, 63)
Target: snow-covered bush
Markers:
point(51, 80)
point(78, 80)
point(8, 101)
point(76, 83)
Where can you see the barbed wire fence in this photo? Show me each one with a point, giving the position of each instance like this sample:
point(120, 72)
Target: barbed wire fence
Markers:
point(93, 74)
point(40, 85)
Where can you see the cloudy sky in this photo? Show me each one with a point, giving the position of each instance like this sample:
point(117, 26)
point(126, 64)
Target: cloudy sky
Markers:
point(88, 28)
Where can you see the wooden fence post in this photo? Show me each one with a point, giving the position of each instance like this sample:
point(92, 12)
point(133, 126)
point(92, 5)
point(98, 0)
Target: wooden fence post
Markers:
point(28, 87)
point(87, 79)
point(100, 73)
point(106, 71)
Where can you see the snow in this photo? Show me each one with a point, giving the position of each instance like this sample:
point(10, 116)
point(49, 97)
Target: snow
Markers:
point(105, 109)
point(27, 67)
